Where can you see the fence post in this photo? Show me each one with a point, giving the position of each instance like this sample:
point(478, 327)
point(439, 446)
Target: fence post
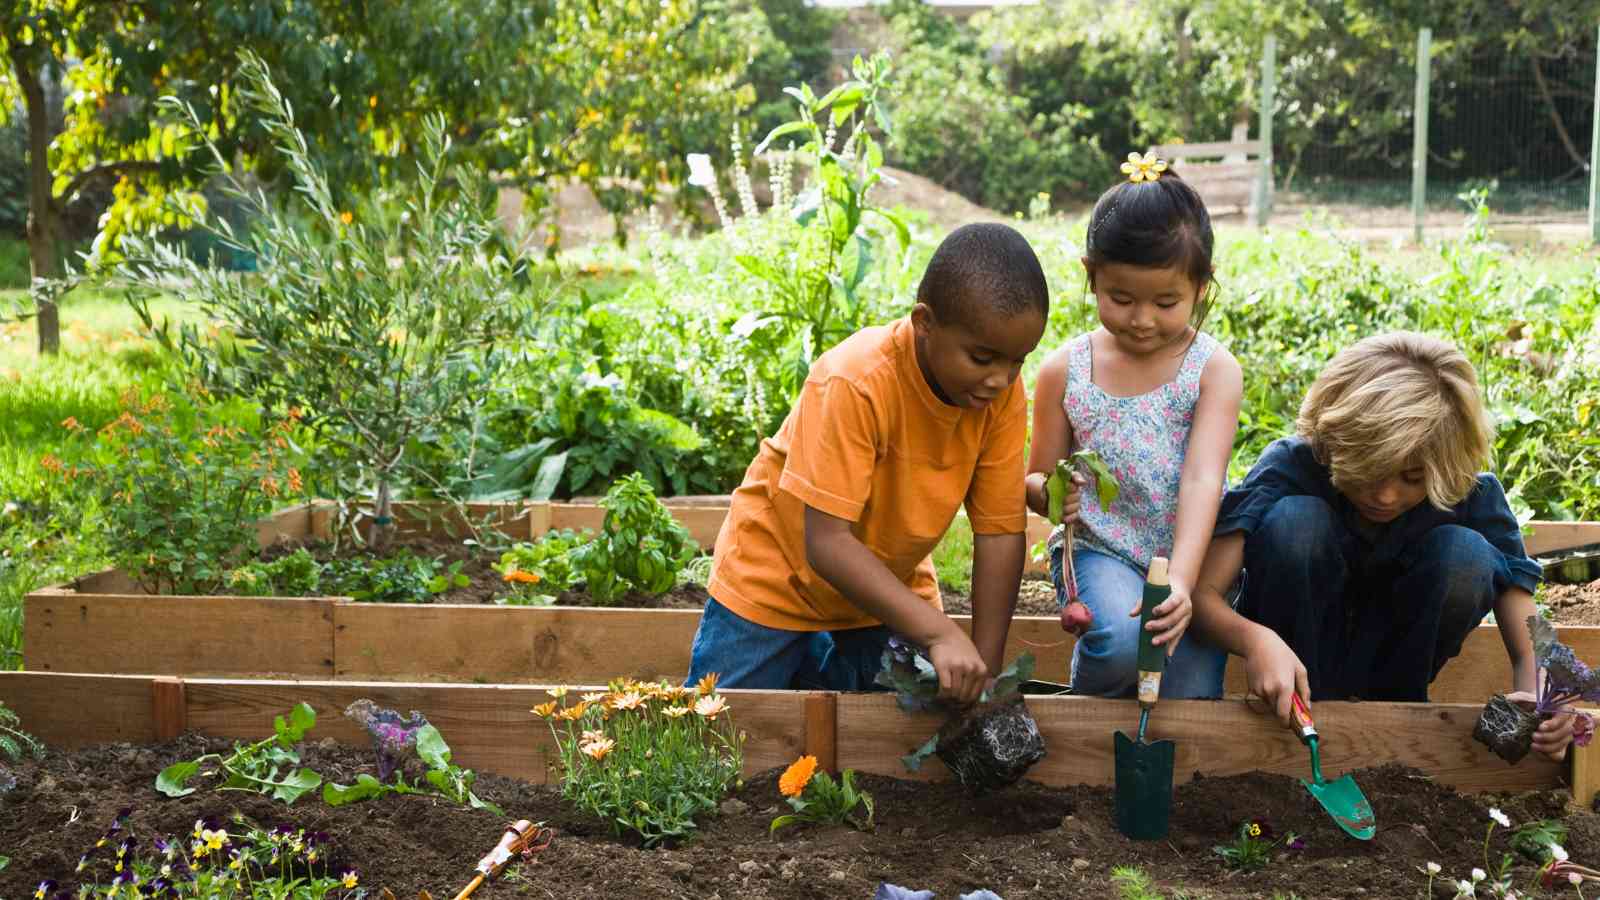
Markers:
point(1594, 155)
point(1419, 134)
point(1269, 90)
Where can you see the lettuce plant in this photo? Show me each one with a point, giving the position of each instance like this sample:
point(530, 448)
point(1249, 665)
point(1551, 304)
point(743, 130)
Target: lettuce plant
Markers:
point(254, 767)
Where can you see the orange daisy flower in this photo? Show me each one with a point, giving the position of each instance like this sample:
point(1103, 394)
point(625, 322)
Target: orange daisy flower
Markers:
point(795, 778)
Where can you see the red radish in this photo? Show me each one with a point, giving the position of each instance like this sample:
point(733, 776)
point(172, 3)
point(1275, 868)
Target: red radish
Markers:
point(1076, 618)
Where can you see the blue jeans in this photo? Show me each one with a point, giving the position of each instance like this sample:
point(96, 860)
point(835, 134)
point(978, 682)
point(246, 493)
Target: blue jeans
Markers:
point(747, 655)
point(1379, 627)
point(1105, 662)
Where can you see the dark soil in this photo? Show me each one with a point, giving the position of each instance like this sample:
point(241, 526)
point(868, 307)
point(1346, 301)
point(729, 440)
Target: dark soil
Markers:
point(486, 584)
point(1025, 841)
point(1037, 597)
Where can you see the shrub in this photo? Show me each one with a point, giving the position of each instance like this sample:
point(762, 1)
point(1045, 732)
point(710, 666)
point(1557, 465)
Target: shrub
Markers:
point(180, 512)
point(640, 545)
point(646, 758)
point(378, 322)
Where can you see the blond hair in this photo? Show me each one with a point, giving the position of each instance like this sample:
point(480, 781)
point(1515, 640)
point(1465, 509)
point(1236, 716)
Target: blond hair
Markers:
point(1393, 402)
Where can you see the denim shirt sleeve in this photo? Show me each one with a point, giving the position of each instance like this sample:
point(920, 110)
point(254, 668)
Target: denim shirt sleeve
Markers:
point(1286, 469)
point(1487, 512)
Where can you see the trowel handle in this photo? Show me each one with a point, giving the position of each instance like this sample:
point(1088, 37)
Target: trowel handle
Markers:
point(1303, 725)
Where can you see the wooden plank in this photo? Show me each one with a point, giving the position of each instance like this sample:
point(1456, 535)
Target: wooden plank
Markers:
point(1216, 737)
point(80, 710)
point(167, 707)
point(821, 729)
point(1206, 150)
point(445, 520)
point(481, 642)
point(290, 524)
point(143, 634)
point(1585, 771)
point(488, 727)
point(1548, 537)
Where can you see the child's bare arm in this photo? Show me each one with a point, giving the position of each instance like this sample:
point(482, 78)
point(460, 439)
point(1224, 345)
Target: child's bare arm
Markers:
point(1272, 670)
point(843, 561)
point(996, 574)
point(1511, 612)
point(1052, 433)
point(1205, 470)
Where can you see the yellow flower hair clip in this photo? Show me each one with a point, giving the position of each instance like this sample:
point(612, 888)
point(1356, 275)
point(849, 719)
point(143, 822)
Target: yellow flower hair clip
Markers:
point(1143, 168)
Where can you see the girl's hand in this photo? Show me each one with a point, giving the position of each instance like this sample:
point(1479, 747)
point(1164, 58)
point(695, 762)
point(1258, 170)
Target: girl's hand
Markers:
point(1553, 734)
point(1169, 619)
point(1038, 494)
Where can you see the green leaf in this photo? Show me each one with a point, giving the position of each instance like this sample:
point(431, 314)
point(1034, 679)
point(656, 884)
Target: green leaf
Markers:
point(366, 787)
point(172, 779)
point(297, 784)
point(431, 747)
point(784, 822)
point(1106, 485)
point(476, 802)
point(780, 131)
point(549, 477)
point(913, 760)
point(301, 720)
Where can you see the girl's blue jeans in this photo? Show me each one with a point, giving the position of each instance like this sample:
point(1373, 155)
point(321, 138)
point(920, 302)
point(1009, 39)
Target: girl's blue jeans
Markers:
point(747, 655)
point(1105, 662)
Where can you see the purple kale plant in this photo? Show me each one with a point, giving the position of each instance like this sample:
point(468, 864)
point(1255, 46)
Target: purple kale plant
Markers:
point(1564, 679)
point(394, 737)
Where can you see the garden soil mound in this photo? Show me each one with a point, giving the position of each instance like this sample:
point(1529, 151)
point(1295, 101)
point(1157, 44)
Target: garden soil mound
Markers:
point(1026, 841)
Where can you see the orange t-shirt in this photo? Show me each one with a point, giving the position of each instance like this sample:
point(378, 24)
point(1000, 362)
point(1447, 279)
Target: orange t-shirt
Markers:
point(867, 441)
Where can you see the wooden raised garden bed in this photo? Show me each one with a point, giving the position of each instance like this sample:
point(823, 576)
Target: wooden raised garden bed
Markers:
point(490, 728)
point(100, 624)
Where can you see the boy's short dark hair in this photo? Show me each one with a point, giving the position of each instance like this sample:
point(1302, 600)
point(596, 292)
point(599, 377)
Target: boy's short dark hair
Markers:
point(981, 270)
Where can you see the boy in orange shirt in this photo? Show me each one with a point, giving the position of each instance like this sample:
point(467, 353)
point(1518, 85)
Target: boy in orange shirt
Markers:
point(825, 551)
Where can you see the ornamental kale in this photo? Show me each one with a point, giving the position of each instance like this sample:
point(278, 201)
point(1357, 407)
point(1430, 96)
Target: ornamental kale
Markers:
point(394, 738)
point(1565, 680)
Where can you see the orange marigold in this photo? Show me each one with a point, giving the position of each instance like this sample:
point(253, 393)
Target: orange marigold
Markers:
point(521, 576)
point(795, 778)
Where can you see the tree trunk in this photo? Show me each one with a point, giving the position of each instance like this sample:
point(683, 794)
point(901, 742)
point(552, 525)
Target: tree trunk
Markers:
point(44, 217)
point(382, 527)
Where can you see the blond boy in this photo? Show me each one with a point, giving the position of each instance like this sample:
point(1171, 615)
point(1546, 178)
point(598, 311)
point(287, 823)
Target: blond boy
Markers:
point(1371, 543)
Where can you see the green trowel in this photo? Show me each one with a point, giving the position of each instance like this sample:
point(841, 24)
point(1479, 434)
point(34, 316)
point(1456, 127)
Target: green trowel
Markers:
point(1342, 798)
point(1144, 770)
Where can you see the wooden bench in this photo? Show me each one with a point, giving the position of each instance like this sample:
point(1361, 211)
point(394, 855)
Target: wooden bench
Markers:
point(1231, 184)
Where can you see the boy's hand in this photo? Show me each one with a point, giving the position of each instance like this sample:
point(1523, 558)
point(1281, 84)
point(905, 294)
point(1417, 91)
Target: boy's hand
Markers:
point(1038, 494)
point(962, 672)
point(1273, 672)
point(1170, 619)
point(1553, 734)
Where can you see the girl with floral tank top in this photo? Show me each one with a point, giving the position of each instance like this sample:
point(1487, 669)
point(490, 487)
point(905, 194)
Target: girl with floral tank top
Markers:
point(1158, 400)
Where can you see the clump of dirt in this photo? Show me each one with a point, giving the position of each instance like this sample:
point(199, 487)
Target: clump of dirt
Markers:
point(1573, 604)
point(1024, 841)
point(1036, 597)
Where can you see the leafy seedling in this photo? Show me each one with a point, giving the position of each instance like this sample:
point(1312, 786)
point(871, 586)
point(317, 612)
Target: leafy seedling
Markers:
point(1075, 616)
point(254, 767)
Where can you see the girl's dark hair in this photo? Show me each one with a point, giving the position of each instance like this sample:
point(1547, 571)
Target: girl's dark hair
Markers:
point(1161, 224)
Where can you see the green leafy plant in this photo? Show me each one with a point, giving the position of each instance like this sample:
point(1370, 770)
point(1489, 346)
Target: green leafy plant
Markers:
point(14, 742)
point(443, 777)
point(400, 577)
point(646, 758)
point(1534, 839)
point(180, 503)
point(1251, 848)
point(640, 545)
point(296, 574)
point(816, 798)
point(379, 323)
point(537, 572)
point(268, 766)
point(815, 279)
point(217, 859)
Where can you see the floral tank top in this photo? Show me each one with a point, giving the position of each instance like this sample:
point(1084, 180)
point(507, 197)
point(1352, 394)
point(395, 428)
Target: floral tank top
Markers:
point(1143, 440)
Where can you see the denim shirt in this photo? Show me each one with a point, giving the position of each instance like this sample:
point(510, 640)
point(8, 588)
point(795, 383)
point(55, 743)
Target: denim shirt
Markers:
point(1289, 469)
